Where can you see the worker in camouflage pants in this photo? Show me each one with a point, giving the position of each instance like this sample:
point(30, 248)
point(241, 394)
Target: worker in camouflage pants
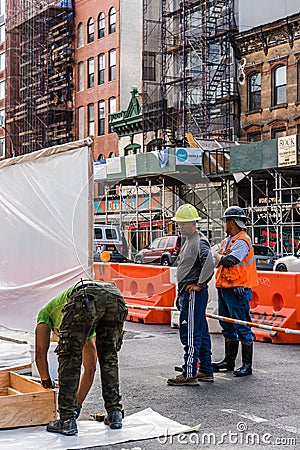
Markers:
point(92, 306)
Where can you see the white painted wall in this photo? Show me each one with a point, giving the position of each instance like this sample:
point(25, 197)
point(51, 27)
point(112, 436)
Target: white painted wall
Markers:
point(131, 43)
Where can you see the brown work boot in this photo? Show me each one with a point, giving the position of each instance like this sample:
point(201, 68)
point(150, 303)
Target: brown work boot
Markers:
point(202, 376)
point(180, 380)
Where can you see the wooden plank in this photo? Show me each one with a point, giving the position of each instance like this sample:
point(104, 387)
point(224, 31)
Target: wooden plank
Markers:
point(24, 402)
point(11, 391)
point(27, 409)
point(4, 378)
point(24, 384)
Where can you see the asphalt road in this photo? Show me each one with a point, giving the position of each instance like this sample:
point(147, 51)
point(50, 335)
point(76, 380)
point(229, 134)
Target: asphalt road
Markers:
point(259, 411)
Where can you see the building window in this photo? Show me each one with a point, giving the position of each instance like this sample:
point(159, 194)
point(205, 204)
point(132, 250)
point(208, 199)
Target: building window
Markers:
point(149, 66)
point(254, 137)
point(2, 89)
point(2, 117)
point(91, 119)
point(90, 30)
point(2, 34)
point(101, 25)
point(298, 81)
point(101, 157)
point(278, 132)
point(279, 85)
point(80, 76)
point(2, 61)
point(112, 19)
point(2, 148)
point(112, 65)
point(80, 35)
point(101, 118)
point(81, 122)
point(101, 68)
point(254, 86)
point(112, 102)
point(112, 155)
point(91, 73)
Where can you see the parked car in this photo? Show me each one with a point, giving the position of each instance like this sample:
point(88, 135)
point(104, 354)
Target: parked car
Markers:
point(163, 250)
point(289, 263)
point(108, 238)
point(264, 257)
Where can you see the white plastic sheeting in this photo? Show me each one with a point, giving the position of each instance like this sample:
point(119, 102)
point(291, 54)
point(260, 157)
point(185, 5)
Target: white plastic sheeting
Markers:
point(145, 424)
point(46, 215)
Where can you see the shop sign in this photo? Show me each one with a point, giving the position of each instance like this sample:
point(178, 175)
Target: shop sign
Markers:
point(287, 151)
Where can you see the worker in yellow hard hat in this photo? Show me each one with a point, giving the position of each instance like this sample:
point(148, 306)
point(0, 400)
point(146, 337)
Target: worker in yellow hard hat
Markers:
point(195, 269)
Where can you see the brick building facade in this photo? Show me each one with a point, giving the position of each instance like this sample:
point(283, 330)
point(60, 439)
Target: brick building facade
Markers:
point(269, 79)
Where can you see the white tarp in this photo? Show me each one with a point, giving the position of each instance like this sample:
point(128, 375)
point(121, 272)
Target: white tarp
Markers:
point(145, 424)
point(46, 221)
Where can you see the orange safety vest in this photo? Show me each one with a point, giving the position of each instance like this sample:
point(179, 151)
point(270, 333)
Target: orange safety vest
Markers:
point(242, 274)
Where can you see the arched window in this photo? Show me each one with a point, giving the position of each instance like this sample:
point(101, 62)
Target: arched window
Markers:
point(101, 157)
point(112, 65)
point(112, 155)
point(80, 76)
point(91, 73)
point(112, 18)
point(101, 68)
point(101, 118)
point(90, 30)
point(91, 119)
point(254, 91)
point(80, 35)
point(112, 108)
point(279, 85)
point(101, 25)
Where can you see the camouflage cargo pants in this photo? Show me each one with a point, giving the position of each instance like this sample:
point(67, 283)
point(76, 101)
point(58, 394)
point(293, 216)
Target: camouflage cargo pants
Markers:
point(106, 313)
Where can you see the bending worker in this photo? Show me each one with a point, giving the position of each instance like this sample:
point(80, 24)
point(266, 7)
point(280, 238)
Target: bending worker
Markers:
point(88, 308)
point(195, 269)
point(236, 275)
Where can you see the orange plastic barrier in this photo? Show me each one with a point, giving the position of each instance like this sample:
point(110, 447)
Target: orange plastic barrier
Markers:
point(276, 302)
point(141, 285)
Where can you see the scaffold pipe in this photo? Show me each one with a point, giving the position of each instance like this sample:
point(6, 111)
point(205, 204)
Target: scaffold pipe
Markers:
point(225, 319)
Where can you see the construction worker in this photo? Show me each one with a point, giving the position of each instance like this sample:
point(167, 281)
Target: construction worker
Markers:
point(49, 320)
point(89, 306)
point(195, 269)
point(236, 275)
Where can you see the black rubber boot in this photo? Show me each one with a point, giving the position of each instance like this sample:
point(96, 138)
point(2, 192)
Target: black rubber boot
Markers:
point(67, 427)
point(231, 350)
point(114, 419)
point(247, 353)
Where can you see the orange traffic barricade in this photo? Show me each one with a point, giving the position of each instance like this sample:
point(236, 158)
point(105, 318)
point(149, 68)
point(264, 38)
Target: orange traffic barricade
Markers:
point(276, 302)
point(141, 285)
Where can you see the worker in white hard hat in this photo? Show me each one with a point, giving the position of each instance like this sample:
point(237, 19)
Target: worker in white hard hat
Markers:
point(195, 269)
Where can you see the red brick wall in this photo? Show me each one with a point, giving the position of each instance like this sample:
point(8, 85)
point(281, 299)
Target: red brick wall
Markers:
point(84, 9)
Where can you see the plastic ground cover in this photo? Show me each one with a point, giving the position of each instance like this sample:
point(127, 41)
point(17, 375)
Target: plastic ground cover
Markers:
point(144, 424)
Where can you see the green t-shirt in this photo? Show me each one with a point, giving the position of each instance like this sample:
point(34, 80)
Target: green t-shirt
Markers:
point(51, 314)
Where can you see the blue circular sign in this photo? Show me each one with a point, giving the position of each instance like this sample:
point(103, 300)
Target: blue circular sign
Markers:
point(181, 154)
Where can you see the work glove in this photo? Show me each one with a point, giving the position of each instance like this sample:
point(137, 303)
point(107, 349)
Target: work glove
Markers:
point(239, 292)
point(48, 384)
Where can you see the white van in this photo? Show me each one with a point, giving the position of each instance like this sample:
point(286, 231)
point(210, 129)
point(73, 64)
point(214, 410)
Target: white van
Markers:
point(108, 238)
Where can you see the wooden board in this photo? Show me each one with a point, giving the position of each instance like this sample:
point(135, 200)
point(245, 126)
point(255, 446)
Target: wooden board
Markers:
point(24, 402)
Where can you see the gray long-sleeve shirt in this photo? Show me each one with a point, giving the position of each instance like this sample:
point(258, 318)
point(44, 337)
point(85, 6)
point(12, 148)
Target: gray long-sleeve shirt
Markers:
point(196, 264)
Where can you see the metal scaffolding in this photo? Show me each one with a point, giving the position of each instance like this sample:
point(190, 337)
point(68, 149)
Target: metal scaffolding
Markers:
point(39, 74)
point(189, 74)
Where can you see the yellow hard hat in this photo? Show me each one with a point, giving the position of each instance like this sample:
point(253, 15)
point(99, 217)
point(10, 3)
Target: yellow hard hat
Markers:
point(186, 213)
